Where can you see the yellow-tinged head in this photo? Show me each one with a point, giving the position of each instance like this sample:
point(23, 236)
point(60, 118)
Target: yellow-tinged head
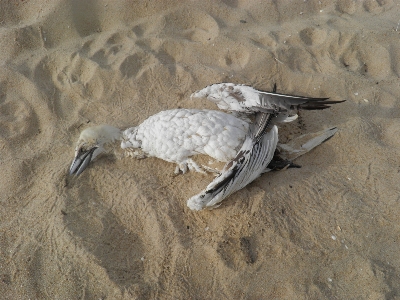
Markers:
point(92, 142)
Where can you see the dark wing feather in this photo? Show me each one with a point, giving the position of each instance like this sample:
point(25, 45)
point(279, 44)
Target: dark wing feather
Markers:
point(275, 102)
point(249, 163)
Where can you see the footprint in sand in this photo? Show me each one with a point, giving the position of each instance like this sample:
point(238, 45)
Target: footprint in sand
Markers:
point(313, 36)
point(236, 58)
point(193, 25)
point(347, 6)
point(377, 6)
point(112, 52)
point(372, 6)
point(18, 119)
point(81, 77)
point(234, 251)
point(134, 65)
point(122, 51)
point(150, 27)
point(360, 57)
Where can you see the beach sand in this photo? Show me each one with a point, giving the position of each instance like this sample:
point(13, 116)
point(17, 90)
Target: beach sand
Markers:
point(121, 230)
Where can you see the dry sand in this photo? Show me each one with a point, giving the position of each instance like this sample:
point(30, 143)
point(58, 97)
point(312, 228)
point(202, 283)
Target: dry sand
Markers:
point(329, 230)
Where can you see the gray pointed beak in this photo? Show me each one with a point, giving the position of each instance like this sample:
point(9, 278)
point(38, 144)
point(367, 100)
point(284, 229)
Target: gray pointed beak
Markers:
point(81, 161)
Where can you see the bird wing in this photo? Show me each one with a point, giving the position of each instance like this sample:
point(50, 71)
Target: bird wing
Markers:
point(282, 102)
point(304, 143)
point(229, 96)
point(252, 159)
point(242, 98)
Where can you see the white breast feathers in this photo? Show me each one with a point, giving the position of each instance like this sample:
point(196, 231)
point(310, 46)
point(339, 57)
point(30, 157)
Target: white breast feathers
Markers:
point(175, 135)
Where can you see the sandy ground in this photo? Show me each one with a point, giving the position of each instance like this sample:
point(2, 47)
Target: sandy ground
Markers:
point(329, 230)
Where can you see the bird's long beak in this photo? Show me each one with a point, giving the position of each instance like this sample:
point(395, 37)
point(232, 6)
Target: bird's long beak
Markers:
point(81, 161)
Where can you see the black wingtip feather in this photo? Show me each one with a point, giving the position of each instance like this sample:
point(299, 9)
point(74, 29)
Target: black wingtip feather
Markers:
point(319, 104)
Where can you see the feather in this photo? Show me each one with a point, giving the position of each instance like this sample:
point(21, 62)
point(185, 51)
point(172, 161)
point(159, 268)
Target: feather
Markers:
point(245, 99)
point(250, 162)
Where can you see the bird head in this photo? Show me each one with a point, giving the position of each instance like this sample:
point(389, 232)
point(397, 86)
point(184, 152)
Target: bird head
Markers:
point(92, 142)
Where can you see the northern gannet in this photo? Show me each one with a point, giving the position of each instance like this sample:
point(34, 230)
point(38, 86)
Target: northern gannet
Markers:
point(177, 135)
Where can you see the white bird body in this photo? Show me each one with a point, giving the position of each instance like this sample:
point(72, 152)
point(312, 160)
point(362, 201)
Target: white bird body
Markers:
point(175, 135)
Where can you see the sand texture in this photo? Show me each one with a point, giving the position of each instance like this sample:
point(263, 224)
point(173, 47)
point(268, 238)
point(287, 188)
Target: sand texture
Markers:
point(121, 230)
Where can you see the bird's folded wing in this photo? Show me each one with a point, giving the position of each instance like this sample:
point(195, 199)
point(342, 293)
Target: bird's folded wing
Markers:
point(283, 102)
point(249, 163)
point(236, 97)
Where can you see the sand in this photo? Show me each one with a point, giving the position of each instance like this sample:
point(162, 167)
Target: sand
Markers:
point(329, 230)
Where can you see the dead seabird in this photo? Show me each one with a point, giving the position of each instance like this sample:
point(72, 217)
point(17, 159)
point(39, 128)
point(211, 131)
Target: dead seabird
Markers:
point(177, 135)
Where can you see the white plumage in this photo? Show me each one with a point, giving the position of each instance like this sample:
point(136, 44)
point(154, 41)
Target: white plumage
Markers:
point(172, 135)
point(177, 135)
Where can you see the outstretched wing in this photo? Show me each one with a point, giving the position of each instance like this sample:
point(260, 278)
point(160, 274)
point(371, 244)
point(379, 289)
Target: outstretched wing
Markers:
point(250, 162)
point(242, 98)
